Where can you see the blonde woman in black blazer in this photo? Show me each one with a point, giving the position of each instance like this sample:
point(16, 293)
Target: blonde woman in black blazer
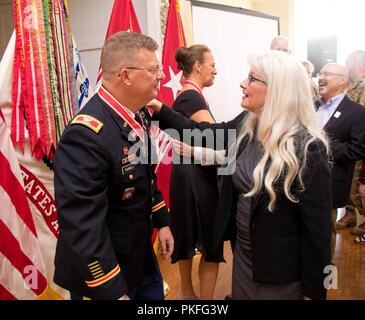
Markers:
point(276, 204)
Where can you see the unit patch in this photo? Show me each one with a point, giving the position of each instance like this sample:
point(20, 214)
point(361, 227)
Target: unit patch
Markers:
point(128, 194)
point(88, 121)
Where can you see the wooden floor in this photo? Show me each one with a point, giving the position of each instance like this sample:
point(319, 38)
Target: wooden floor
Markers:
point(350, 262)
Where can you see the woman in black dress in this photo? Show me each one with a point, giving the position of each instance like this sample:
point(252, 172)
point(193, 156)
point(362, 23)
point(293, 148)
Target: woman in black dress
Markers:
point(193, 188)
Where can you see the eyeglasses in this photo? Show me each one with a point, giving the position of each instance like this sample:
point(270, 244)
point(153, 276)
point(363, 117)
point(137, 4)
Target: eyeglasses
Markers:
point(281, 49)
point(251, 79)
point(154, 71)
point(327, 74)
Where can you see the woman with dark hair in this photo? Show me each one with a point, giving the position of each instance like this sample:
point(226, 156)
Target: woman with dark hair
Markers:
point(193, 188)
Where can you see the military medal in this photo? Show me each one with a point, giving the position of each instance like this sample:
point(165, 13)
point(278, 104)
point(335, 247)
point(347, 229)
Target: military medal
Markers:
point(128, 194)
point(133, 135)
point(123, 113)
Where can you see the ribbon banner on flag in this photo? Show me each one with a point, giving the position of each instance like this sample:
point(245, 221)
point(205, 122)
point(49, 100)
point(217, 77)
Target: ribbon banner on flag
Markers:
point(50, 86)
point(44, 86)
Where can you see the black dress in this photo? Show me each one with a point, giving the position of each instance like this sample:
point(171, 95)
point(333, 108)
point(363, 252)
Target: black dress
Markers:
point(193, 197)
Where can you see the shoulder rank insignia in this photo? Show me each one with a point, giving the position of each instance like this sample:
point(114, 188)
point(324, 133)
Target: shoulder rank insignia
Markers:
point(88, 121)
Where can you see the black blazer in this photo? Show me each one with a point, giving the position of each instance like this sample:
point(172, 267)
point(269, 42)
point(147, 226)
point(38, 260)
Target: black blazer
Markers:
point(293, 242)
point(346, 132)
point(105, 203)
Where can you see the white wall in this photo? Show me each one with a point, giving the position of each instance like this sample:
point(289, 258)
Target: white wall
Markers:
point(322, 18)
point(89, 21)
point(231, 35)
point(247, 4)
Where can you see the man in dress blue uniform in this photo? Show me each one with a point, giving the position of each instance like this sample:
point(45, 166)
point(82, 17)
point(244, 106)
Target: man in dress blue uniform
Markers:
point(105, 186)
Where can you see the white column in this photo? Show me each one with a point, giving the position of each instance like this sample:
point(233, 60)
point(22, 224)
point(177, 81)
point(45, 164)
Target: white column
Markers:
point(140, 7)
point(154, 21)
point(6, 24)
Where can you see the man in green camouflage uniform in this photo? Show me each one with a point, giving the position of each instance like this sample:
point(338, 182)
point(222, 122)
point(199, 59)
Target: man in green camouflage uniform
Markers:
point(356, 92)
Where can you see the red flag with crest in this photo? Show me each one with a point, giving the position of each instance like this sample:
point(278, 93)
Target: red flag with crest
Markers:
point(171, 85)
point(123, 18)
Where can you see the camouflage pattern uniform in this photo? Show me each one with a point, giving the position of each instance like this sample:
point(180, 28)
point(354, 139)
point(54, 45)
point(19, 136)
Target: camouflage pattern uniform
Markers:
point(362, 173)
point(356, 92)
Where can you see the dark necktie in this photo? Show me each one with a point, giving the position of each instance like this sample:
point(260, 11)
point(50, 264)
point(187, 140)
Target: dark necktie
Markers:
point(138, 118)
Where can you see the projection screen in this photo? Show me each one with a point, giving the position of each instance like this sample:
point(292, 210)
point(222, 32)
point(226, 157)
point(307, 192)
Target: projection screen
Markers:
point(231, 34)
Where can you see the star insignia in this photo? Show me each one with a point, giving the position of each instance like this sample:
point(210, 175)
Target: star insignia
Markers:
point(175, 82)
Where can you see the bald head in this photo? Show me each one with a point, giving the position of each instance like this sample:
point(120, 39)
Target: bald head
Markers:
point(280, 43)
point(333, 80)
point(336, 68)
point(355, 63)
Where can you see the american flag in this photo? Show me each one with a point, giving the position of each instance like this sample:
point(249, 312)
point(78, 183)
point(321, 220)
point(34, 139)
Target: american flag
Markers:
point(162, 143)
point(22, 269)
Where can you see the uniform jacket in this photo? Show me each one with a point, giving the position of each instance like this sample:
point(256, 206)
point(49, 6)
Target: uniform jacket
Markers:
point(346, 132)
point(356, 91)
point(107, 205)
point(293, 242)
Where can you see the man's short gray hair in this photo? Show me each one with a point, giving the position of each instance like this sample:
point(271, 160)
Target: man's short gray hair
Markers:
point(121, 50)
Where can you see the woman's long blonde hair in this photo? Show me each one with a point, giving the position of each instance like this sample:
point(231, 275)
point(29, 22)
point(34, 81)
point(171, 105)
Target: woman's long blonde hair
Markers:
point(288, 111)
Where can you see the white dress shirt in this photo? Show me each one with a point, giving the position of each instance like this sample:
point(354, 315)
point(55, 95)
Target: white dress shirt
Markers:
point(325, 111)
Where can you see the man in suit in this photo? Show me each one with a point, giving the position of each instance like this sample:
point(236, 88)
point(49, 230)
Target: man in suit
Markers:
point(356, 92)
point(343, 121)
point(105, 185)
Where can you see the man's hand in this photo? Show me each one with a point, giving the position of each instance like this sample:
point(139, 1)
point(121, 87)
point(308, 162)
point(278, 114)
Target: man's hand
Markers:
point(155, 105)
point(166, 242)
point(125, 297)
